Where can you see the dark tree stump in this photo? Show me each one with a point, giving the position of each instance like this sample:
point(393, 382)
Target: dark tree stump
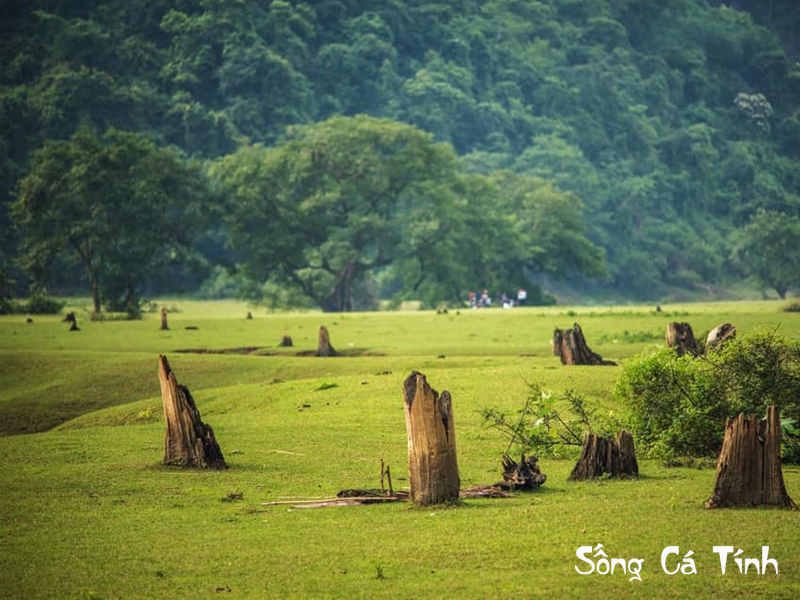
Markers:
point(681, 337)
point(72, 320)
point(432, 463)
point(286, 342)
point(719, 335)
point(522, 475)
point(324, 347)
point(601, 456)
point(749, 465)
point(249, 316)
point(164, 325)
point(570, 346)
point(189, 442)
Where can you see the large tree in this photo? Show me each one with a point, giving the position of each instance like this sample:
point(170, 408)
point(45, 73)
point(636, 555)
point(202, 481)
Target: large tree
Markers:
point(117, 203)
point(334, 203)
point(767, 248)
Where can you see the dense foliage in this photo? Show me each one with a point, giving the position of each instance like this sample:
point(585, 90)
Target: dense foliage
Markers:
point(679, 404)
point(673, 121)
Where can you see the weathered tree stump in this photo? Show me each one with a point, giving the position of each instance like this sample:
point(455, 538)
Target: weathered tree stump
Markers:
point(432, 463)
point(719, 335)
point(72, 320)
point(522, 475)
point(286, 342)
point(249, 316)
point(601, 456)
point(681, 337)
point(189, 442)
point(570, 346)
point(164, 325)
point(749, 465)
point(324, 347)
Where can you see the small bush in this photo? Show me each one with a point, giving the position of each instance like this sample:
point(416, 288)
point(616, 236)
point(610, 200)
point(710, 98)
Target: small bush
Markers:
point(679, 404)
point(793, 306)
point(41, 304)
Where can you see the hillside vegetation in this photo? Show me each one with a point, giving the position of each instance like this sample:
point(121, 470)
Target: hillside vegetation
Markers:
point(674, 124)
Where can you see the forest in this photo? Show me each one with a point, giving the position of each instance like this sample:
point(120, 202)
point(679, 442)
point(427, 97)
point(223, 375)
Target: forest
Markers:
point(336, 153)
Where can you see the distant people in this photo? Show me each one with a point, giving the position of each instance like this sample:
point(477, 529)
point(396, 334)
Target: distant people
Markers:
point(485, 300)
point(473, 300)
point(522, 296)
point(505, 301)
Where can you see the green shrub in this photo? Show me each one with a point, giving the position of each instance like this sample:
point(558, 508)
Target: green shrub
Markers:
point(793, 306)
point(679, 405)
point(41, 304)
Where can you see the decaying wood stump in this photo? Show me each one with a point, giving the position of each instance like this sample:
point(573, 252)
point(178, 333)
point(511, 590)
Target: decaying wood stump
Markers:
point(249, 316)
point(749, 465)
point(72, 320)
point(719, 335)
point(164, 325)
point(286, 341)
point(601, 456)
point(432, 463)
point(324, 347)
point(189, 442)
point(570, 346)
point(522, 475)
point(681, 337)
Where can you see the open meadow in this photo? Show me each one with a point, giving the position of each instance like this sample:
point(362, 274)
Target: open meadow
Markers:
point(87, 511)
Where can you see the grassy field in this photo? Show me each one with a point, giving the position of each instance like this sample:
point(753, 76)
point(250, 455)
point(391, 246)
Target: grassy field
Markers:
point(86, 511)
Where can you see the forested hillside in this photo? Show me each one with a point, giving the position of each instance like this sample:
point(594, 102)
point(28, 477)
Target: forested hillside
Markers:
point(661, 137)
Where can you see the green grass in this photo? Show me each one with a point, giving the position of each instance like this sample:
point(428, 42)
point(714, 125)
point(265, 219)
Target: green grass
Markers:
point(87, 511)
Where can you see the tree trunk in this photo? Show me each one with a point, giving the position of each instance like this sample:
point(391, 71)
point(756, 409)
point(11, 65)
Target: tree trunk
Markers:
point(681, 337)
point(432, 463)
point(324, 347)
point(570, 346)
point(164, 325)
point(749, 465)
point(719, 335)
point(602, 456)
point(95, 293)
point(189, 442)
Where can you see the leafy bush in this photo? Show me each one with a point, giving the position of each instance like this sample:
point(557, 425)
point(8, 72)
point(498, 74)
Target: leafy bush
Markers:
point(548, 424)
point(41, 304)
point(679, 404)
point(793, 306)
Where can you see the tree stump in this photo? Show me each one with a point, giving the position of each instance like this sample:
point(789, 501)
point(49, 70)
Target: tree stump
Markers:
point(286, 342)
point(164, 325)
point(432, 463)
point(324, 347)
point(72, 320)
point(189, 442)
point(681, 337)
point(249, 316)
point(601, 456)
point(570, 346)
point(749, 465)
point(719, 335)
point(522, 475)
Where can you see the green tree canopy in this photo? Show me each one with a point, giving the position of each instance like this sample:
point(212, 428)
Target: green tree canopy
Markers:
point(768, 249)
point(117, 203)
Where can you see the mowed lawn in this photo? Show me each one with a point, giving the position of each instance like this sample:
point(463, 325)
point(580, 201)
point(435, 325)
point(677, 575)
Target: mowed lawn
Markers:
point(86, 510)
